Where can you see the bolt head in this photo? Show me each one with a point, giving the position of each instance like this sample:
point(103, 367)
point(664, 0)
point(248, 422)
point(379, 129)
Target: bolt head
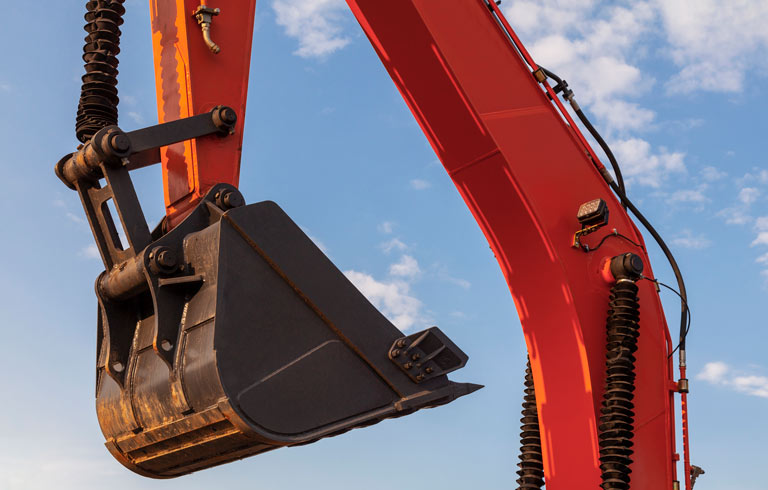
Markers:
point(228, 115)
point(233, 199)
point(120, 143)
point(163, 260)
point(166, 258)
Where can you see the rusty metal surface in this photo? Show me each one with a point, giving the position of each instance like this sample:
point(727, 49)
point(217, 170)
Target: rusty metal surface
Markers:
point(275, 348)
point(231, 334)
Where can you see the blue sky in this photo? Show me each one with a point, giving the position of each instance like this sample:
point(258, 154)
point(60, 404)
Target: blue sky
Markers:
point(677, 87)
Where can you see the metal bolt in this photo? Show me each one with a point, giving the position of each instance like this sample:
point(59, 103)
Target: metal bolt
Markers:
point(428, 370)
point(416, 357)
point(395, 353)
point(228, 115)
point(407, 365)
point(401, 343)
point(166, 258)
point(420, 377)
point(120, 143)
point(233, 199)
point(163, 260)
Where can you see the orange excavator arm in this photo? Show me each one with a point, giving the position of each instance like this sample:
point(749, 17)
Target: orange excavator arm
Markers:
point(599, 406)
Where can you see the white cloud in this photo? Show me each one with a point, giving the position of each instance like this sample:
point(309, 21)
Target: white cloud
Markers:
point(596, 46)
point(90, 252)
point(74, 218)
point(386, 227)
point(712, 174)
point(316, 24)
point(591, 45)
point(708, 35)
point(392, 297)
point(721, 374)
point(688, 240)
point(136, 117)
point(713, 372)
point(393, 244)
point(749, 195)
point(420, 185)
point(763, 259)
point(762, 239)
point(761, 226)
point(407, 267)
point(462, 283)
point(620, 115)
point(755, 177)
point(689, 195)
point(735, 216)
point(639, 163)
point(761, 223)
point(128, 99)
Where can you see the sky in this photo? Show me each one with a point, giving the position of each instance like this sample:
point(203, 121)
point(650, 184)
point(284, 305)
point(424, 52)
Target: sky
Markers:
point(678, 89)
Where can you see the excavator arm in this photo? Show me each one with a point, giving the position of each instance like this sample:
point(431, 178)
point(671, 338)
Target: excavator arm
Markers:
point(599, 408)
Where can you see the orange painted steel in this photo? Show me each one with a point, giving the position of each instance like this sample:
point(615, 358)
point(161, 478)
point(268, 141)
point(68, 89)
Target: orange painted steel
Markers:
point(522, 168)
point(523, 171)
point(190, 80)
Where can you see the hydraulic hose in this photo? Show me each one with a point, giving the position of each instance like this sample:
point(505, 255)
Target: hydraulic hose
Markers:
point(620, 190)
point(98, 97)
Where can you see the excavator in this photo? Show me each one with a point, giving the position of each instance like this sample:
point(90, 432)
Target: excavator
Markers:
point(225, 332)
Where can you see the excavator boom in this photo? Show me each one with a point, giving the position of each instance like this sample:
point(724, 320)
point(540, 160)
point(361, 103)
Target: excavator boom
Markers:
point(186, 312)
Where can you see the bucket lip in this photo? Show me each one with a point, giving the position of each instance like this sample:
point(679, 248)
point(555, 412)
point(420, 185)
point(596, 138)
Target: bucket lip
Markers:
point(120, 457)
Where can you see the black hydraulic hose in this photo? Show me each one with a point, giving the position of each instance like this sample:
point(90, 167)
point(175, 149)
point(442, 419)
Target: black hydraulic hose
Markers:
point(605, 147)
point(98, 97)
point(672, 262)
point(620, 191)
point(568, 94)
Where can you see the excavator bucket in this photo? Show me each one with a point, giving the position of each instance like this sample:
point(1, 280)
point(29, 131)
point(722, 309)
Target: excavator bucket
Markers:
point(232, 333)
point(244, 337)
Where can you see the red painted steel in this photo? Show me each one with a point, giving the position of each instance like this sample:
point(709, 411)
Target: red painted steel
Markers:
point(523, 171)
point(190, 80)
point(522, 168)
point(686, 435)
